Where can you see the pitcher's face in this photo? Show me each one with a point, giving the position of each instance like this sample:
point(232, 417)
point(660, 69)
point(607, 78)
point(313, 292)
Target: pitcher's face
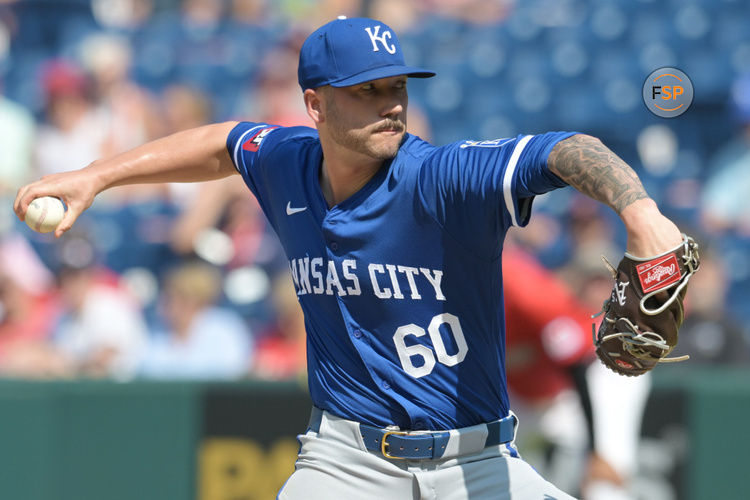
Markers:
point(369, 118)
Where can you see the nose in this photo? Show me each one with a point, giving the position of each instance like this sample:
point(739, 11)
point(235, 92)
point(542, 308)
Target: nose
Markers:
point(393, 106)
point(393, 111)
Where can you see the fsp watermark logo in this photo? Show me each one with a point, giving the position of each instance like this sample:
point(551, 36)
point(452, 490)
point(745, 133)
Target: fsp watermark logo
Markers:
point(668, 92)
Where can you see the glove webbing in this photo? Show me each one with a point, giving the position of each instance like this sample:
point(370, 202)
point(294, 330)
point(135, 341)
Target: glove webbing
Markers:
point(634, 341)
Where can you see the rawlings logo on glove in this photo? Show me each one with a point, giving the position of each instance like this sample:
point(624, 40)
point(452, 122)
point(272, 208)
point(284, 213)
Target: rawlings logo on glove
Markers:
point(658, 273)
point(643, 316)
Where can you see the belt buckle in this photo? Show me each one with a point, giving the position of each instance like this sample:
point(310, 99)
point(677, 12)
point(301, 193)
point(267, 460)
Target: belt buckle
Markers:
point(384, 445)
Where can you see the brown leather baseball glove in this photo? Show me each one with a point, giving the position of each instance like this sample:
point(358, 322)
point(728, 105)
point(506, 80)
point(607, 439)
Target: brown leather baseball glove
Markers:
point(644, 313)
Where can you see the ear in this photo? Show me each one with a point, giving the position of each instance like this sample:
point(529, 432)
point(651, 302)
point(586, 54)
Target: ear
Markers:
point(314, 105)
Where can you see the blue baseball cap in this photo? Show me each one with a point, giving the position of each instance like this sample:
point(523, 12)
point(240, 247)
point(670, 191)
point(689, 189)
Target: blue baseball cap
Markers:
point(347, 52)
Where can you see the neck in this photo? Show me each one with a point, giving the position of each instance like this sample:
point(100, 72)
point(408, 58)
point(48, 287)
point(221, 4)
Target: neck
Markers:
point(341, 178)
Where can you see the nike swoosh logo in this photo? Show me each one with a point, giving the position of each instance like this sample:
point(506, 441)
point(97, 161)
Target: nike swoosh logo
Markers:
point(292, 211)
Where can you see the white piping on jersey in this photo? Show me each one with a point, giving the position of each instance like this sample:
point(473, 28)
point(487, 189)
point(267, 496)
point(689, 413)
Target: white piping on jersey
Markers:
point(508, 179)
point(239, 144)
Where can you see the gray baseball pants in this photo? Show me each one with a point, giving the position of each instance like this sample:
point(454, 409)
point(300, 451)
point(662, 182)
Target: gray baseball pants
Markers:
point(334, 464)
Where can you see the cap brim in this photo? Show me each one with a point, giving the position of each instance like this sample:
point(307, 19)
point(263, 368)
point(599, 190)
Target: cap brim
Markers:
point(383, 72)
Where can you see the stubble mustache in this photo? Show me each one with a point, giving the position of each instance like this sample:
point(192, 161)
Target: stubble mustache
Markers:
point(388, 124)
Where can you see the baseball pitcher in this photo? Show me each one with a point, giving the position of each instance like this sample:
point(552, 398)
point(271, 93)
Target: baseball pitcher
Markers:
point(394, 246)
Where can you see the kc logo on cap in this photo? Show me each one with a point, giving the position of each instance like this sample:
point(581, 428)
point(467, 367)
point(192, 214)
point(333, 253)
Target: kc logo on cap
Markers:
point(382, 39)
point(348, 52)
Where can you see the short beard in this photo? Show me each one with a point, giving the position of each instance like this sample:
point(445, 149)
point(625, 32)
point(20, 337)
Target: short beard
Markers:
point(358, 139)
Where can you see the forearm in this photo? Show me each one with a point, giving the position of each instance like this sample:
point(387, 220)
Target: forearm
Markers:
point(193, 155)
point(593, 169)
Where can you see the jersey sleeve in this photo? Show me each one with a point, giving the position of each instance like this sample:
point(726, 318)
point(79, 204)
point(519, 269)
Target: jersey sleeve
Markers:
point(526, 174)
point(478, 189)
point(246, 144)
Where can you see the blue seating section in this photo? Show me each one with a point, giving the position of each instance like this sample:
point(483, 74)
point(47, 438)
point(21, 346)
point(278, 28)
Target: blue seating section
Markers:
point(550, 65)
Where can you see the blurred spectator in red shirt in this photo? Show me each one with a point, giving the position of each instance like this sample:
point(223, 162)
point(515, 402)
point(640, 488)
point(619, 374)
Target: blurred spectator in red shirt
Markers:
point(548, 330)
point(585, 442)
point(281, 352)
point(27, 312)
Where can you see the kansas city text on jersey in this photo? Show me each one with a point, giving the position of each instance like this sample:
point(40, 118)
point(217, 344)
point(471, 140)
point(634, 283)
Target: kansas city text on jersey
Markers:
point(388, 281)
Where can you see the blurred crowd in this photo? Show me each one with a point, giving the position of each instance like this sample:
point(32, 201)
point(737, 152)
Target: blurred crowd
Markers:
point(187, 281)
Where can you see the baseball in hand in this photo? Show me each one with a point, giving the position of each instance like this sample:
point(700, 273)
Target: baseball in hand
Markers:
point(44, 214)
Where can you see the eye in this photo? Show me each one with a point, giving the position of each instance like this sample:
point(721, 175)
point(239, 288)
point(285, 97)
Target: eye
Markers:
point(368, 87)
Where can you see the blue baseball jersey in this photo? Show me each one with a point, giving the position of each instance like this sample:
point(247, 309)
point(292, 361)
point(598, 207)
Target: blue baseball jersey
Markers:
point(401, 283)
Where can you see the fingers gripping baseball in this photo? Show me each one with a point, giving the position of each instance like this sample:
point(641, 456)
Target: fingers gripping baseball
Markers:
point(68, 220)
point(73, 190)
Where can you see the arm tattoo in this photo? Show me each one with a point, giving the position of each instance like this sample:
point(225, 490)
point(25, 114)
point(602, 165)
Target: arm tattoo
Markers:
point(593, 169)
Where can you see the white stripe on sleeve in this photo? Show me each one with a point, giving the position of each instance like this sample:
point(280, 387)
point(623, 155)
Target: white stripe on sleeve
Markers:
point(510, 171)
point(239, 143)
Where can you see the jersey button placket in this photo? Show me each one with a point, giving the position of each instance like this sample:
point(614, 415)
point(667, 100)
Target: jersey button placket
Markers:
point(357, 333)
point(334, 246)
